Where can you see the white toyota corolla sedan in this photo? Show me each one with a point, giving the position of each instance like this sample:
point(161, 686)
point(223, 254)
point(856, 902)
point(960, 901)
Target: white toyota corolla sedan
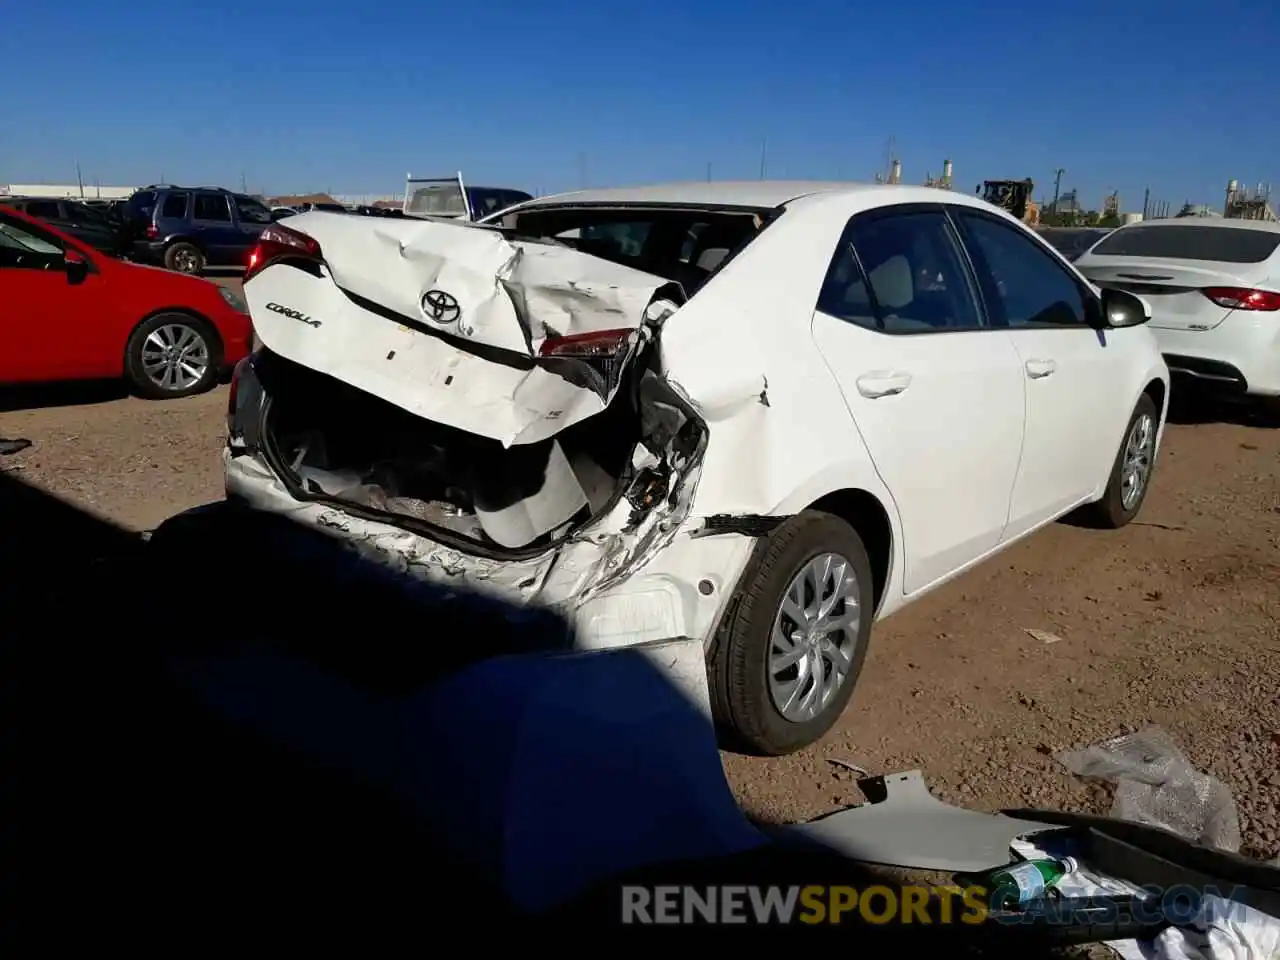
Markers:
point(762, 414)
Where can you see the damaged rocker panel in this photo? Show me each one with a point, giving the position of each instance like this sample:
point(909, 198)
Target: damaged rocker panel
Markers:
point(744, 524)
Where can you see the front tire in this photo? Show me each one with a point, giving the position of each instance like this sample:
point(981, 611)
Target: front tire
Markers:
point(1131, 472)
point(172, 355)
point(789, 650)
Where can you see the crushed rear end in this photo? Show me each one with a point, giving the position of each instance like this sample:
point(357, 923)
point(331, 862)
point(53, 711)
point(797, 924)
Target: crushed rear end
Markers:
point(472, 408)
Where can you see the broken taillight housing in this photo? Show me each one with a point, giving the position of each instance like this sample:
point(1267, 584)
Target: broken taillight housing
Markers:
point(280, 243)
point(1240, 298)
point(599, 344)
point(244, 403)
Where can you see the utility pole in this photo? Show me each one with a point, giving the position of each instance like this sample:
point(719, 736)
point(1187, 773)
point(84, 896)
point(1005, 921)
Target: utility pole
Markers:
point(1057, 187)
point(243, 187)
point(764, 153)
point(1146, 203)
point(79, 180)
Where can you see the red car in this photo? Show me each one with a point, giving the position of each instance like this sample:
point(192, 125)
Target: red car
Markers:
point(68, 312)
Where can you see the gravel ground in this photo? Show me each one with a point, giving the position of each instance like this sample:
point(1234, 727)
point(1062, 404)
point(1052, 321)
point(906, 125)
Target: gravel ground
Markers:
point(1174, 621)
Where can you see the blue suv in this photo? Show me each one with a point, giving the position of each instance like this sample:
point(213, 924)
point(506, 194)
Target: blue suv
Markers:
point(189, 228)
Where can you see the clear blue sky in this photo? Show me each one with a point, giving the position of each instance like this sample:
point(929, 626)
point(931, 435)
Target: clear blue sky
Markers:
point(1176, 95)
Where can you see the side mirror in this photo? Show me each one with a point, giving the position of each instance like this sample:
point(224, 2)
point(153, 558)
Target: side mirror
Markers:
point(76, 265)
point(1123, 309)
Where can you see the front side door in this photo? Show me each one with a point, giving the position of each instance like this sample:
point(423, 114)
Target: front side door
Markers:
point(214, 228)
point(937, 396)
point(1077, 391)
point(49, 327)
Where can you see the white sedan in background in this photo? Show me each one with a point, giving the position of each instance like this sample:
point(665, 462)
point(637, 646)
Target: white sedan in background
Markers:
point(1214, 290)
point(763, 414)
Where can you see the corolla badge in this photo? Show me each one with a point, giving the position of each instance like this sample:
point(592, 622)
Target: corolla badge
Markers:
point(292, 314)
point(440, 307)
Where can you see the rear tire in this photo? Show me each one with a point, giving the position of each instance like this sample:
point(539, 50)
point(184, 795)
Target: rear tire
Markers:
point(184, 257)
point(1134, 463)
point(757, 637)
point(172, 355)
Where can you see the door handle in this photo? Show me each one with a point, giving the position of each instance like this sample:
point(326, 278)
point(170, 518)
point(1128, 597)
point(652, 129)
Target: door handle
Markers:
point(1037, 369)
point(882, 384)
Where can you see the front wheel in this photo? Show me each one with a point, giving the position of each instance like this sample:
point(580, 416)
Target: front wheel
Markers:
point(172, 355)
point(1131, 472)
point(791, 645)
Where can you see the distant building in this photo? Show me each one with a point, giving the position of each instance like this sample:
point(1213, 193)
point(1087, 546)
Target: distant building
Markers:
point(67, 191)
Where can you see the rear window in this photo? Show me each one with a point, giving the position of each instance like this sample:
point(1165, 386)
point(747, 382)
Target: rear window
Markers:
point(1219, 244)
point(142, 200)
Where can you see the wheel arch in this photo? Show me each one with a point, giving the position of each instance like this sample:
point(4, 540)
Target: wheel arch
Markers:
point(183, 238)
point(1158, 391)
point(864, 512)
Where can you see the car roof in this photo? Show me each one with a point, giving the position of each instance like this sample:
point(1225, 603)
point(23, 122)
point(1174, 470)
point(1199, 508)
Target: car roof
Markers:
point(1264, 226)
point(755, 194)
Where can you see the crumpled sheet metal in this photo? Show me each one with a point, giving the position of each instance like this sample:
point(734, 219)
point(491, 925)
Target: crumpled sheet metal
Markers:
point(1157, 785)
point(513, 294)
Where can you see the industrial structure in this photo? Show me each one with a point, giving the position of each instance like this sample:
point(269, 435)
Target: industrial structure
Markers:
point(1245, 204)
point(943, 182)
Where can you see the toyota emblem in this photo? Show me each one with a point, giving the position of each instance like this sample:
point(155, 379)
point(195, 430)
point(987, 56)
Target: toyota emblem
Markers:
point(440, 307)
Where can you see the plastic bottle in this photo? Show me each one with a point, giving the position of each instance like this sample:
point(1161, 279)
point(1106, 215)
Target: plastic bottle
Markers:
point(1020, 883)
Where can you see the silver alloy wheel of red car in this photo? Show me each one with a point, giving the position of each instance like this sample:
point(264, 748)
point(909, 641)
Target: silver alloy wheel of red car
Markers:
point(175, 357)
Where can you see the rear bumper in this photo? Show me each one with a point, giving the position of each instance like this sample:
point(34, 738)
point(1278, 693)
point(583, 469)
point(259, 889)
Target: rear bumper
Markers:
point(1239, 356)
point(146, 251)
point(677, 587)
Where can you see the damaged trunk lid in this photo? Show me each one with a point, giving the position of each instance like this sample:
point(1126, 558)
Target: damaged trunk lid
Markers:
point(509, 339)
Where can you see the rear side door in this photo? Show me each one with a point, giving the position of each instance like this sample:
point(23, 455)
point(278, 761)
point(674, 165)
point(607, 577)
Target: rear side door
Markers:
point(50, 328)
point(1190, 273)
point(214, 229)
point(1077, 378)
point(936, 394)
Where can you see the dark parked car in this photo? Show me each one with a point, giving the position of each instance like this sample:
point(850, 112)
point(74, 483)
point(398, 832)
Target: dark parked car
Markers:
point(81, 221)
point(1072, 242)
point(189, 228)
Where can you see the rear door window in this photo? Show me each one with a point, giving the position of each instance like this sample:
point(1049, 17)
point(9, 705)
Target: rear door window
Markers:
point(1220, 244)
point(900, 273)
point(212, 206)
point(175, 206)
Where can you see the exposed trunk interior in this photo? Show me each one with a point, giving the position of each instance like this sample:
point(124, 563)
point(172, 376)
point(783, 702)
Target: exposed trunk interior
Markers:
point(330, 441)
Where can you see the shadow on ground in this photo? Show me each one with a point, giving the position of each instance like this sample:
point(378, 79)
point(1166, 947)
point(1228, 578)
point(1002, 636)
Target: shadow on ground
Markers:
point(1190, 408)
point(61, 394)
point(144, 815)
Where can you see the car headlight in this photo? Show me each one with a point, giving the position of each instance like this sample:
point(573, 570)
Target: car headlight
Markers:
point(234, 300)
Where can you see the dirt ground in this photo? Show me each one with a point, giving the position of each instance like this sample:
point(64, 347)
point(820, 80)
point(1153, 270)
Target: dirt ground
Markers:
point(1174, 621)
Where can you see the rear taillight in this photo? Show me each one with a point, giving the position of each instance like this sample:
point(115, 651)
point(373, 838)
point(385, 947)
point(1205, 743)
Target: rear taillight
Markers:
point(276, 243)
point(600, 344)
point(152, 231)
point(1241, 298)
